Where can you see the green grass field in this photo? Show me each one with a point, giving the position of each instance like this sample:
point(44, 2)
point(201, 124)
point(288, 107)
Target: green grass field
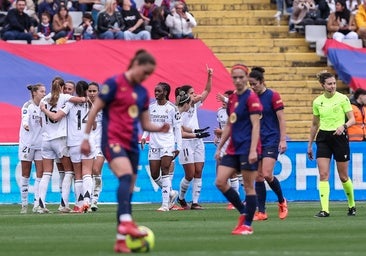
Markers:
point(188, 233)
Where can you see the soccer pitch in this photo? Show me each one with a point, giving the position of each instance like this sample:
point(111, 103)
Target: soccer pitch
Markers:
point(206, 232)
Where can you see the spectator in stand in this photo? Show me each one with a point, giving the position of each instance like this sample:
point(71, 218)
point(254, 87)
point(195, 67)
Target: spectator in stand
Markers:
point(306, 12)
point(62, 23)
point(97, 6)
point(146, 10)
point(361, 22)
point(180, 22)
point(352, 5)
point(86, 28)
point(18, 24)
point(341, 23)
point(170, 4)
point(30, 9)
point(280, 7)
point(134, 23)
point(50, 6)
point(5, 5)
point(110, 22)
point(158, 28)
point(357, 132)
point(45, 32)
point(331, 5)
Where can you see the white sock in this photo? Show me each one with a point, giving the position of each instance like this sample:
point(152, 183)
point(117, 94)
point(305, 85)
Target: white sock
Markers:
point(196, 191)
point(43, 186)
point(36, 192)
point(87, 188)
point(165, 190)
point(184, 184)
point(234, 183)
point(24, 187)
point(62, 176)
point(240, 179)
point(97, 184)
point(66, 187)
point(125, 217)
point(78, 192)
point(159, 182)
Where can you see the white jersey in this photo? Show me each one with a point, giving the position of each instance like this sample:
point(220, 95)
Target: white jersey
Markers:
point(222, 117)
point(54, 129)
point(160, 114)
point(97, 132)
point(190, 119)
point(77, 117)
point(24, 135)
point(35, 126)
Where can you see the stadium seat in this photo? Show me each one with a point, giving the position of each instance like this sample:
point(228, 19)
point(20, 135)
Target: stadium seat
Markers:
point(41, 42)
point(357, 43)
point(17, 41)
point(319, 47)
point(77, 18)
point(314, 33)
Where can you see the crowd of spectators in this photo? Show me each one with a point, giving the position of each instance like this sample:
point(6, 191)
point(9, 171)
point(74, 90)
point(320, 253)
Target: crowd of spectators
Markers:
point(50, 21)
point(344, 19)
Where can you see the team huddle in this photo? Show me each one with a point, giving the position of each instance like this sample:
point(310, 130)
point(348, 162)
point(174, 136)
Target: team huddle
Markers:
point(51, 131)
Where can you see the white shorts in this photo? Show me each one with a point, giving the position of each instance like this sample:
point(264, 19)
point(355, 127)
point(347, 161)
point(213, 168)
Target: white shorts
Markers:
point(76, 156)
point(98, 152)
point(26, 153)
point(193, 151)
point(56, 148)
point(158, 153)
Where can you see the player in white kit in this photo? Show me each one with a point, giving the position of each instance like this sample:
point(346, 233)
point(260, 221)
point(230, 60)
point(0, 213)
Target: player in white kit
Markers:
point(29, 144)
point(54, 134)
point(192, 156)
point(164, 147)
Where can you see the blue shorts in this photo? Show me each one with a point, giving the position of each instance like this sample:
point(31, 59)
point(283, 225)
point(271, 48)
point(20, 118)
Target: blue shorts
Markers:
point(239, 163)
point(115, 150)
point(270, 151)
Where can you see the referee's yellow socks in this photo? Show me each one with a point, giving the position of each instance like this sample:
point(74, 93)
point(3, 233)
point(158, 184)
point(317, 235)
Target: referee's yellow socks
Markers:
point(348, 190)
point(324, 195)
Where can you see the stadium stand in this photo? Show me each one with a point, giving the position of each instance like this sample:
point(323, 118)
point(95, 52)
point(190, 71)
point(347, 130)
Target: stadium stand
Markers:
point(246, 31)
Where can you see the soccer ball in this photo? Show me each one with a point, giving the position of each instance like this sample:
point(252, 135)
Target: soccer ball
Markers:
point(143, 244)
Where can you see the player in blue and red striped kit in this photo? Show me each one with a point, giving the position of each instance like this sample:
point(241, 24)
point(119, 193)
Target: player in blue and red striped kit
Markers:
point(124, 102)
point(244, 149)
point(273, 139)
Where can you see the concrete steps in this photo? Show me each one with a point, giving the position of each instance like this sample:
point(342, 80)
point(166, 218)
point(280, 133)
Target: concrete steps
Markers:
point(245, 31)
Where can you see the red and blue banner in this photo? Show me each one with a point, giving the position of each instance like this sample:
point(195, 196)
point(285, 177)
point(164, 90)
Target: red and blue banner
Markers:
point(349, 62)
point(179, 62)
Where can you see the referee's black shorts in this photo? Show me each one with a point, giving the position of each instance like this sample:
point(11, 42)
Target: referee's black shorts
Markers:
point(337, 145)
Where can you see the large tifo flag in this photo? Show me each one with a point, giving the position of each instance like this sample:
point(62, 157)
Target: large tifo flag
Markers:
point(349, 62)
point(179, 62)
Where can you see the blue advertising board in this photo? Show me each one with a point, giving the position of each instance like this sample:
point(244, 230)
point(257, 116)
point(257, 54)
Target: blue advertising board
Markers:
point(297, 174)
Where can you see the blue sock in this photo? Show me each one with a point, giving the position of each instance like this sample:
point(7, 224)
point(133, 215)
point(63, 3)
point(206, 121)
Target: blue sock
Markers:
point(250, 205)
point(276, 188)
point(123, 195)
point(233, 197)
point(260, 189)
